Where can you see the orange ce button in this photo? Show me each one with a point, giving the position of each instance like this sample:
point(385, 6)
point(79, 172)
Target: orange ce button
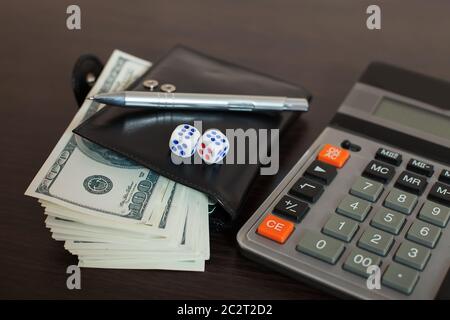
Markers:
point(275, 228)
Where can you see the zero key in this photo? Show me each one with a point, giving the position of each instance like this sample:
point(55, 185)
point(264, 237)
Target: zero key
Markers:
point(320, 246)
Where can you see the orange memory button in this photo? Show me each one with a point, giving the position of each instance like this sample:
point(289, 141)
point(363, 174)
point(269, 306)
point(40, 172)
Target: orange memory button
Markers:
point(333, 155)
point(275, 228)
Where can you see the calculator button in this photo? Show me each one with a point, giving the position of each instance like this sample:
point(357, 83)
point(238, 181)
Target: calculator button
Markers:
point(424, 233)
point(388, 220)
point(389, 156)
point(400, 278)
point(323, 172)
point(340, 227)
point(366, 189)
point(359, 260)
point(354, 208)
point(445, 176)
point(376, 241)
point(379, 171)
point(411, 182)
point(307, 189)
point(401, 201)
point(420, 167)
point(440, 192)
point(291, 208)
point(275, 228)
point(320, 246)
point(333, 155)
point(412, 255)
point(435, 213)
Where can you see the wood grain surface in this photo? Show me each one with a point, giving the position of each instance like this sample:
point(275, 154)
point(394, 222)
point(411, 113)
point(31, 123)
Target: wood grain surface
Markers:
point(323, 45)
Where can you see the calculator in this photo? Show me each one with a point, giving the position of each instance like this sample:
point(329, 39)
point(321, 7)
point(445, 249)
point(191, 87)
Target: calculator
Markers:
point(365, 211)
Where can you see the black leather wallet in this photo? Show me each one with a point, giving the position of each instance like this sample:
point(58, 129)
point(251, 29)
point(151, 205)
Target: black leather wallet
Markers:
point(143, 135)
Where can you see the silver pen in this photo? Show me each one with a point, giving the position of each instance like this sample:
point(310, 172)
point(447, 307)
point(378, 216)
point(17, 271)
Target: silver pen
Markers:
point(201, 101)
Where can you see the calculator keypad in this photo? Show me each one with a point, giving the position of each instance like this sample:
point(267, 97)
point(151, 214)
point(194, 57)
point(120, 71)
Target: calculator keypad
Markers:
point(388, 220)
point(376, 241)
point(440, 192)
point(320, 246)
point(379, 171)
point(333, 155)
point(359, 260)
point(292, 208)
point(354, 208)
point(275, 228)
point(400, 278)
point(435, 213)
point(401, 201)
point(367, 189)
point(340, 228)
point(307, 189)
point(321, 171)
point(389, 156)
point(424, 233)
point(411, 182)
point(412, 255)
point(420, 167)
point(445, 176)
point(382, 241)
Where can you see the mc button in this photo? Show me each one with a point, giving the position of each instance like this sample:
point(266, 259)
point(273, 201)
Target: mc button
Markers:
point(379, 171)
point(275, 228)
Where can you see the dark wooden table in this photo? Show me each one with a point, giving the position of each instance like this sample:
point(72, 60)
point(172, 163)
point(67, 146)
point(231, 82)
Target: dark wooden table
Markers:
point(323, 45)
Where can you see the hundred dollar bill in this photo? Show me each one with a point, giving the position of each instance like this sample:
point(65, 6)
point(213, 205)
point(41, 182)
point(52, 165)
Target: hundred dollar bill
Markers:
point(92, 181)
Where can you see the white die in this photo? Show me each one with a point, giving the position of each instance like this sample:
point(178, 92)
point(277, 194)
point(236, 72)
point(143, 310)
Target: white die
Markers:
point(213, 146)
point(184, 140)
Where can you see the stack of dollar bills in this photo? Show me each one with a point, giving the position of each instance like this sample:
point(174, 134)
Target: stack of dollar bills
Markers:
point(110, 211)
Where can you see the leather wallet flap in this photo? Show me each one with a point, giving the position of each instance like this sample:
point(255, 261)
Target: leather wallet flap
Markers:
point(143, 135)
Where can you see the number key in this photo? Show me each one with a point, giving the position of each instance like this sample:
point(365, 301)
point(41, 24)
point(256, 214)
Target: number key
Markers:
point(340, 227)
point(412, 255)
point(354, 208)
point(401, 201)
point(366, 189)
point(376, 241)
point(321, 247)
point(435, 213)
point(424, 233)
point(359, 260)
point(388, 220)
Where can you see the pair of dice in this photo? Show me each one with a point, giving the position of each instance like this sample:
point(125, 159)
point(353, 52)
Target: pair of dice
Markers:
point(212, 146)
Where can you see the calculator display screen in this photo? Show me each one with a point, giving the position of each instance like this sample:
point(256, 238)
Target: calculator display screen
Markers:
point(414, 117)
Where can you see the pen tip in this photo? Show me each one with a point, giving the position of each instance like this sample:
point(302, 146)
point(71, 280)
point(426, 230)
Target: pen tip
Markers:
point(91, 98)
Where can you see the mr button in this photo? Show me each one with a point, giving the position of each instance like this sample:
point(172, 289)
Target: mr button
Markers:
point(275, 228)
point(411, 182)
point(379, 171)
